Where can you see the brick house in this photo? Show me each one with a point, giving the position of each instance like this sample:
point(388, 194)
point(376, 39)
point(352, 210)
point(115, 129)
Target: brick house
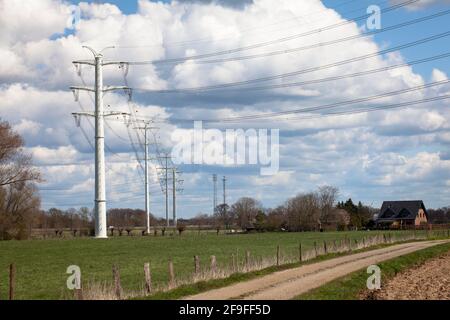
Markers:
point(397, 214)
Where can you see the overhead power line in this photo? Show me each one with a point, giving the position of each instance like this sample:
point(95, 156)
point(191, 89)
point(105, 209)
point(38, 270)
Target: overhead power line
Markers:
point(316, 45)
point(375, 108)
point(327, 43)
point(255, 28)
point(299, 72)
point(272, 115)
point(271, 42)
point(360, 110)
point(356, 74)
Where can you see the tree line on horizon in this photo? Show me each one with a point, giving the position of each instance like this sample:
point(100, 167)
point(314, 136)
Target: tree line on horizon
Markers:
point(314, 211)
point(20, 207)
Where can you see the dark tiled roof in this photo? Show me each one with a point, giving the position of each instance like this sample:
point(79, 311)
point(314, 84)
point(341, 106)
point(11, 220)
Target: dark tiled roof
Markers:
point(395, 210)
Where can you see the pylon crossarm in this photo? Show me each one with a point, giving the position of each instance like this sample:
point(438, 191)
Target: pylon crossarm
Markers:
point(78, 115)
point(116, 113)
point(88, 62)
point(82, 89)
point(107, 89)
point(120, 63)
point(85, 114)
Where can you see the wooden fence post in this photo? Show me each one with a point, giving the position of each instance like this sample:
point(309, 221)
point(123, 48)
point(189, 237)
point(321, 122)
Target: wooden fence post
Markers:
point(197, 264)
point(12, 280)
point(325, 249)
point(148, 278)
point(315, 249)
point(117, 286)
point(300, 256)
point(247, 260)
point(364, 242)
point(213, 264)
point(278, 255)
point(233, 262)
point(335, 248)
point(171, 274)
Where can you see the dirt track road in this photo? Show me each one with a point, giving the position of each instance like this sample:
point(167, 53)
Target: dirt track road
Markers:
point(287, 284)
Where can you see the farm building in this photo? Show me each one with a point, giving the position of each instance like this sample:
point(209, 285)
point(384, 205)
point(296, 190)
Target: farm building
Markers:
point(397, 214)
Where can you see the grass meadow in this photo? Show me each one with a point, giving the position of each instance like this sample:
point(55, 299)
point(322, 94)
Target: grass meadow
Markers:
point(41, 264)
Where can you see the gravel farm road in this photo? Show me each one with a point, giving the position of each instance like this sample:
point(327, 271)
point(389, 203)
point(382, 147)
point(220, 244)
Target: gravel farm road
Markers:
point(290, 283)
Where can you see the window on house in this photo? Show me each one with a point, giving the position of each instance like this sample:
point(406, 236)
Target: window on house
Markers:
point(403, 213)
point(388, 213)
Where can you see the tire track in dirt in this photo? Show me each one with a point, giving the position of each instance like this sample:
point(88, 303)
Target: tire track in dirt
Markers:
point(289, 283)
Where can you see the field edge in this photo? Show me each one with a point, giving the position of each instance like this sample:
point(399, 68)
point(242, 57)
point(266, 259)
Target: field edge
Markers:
point(203, 286)
point(352, 285)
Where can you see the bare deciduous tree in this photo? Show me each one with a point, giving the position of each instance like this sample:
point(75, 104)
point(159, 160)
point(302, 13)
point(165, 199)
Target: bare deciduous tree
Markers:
point(224, 216)
point(19, 200)
point(15, 164)
point(327, 196)
point(303, 212)
point(245, 210)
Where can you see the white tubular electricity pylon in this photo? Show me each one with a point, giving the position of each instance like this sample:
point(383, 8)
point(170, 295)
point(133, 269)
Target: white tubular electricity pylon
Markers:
point(99, 90)
point(166, 168)
point(174, 198)
point(214, 193)
point(174, 193)
point(166, 188)
point(146, 127)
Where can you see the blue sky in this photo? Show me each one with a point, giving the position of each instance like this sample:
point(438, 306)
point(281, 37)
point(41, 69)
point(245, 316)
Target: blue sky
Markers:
point(385, 155)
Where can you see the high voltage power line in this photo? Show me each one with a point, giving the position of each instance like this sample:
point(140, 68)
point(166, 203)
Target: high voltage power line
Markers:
point(313, 46)
point(377, 108)
point(334, 105)
point(284, 39)
point(273, 115)
point(327, 43)
point(249, 30)
point(308, 70)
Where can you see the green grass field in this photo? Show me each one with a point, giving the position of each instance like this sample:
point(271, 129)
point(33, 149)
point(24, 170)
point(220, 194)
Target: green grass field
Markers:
point(41, 264)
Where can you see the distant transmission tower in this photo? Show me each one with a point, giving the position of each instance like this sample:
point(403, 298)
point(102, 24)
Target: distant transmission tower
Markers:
point(166, 168)
point(225, 194)
point(215, 193)
point(175, 180)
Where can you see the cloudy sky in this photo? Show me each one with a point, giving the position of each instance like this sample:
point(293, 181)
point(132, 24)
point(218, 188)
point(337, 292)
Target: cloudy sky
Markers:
point(395, 154)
